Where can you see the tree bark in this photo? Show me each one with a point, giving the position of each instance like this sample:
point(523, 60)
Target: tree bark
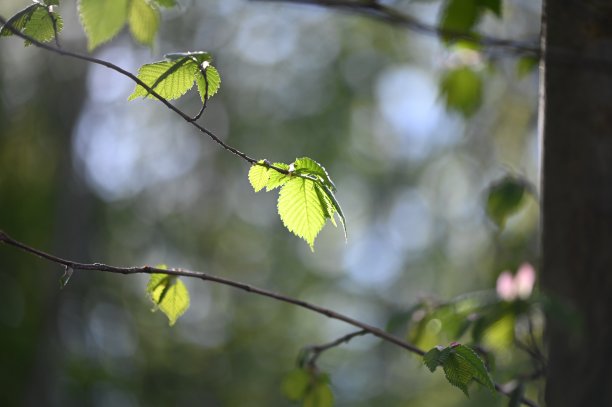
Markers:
point(576, 132)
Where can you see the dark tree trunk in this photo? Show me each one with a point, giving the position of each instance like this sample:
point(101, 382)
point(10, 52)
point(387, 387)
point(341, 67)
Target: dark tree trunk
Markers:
point(577, 200)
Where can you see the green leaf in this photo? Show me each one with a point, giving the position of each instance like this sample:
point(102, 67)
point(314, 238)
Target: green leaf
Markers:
point(295, 384)
point(277, 179)
point(319, 396)
point(259, 176)
point(19, 20)
point(458, 372)
point(198, 56)
point(460, 16)
point(170, 79)
point(307, 165)
point(213, 78)
point(504, 198)
point(526, 65)
point(42, 25)
point(336, 207)
point(431, 358)
point(462, 90)
point(169, 294)
point(102, 19)
point(51, 2)
point(300, 209)
point(477, 366)
point(166, 3)
point(143, 19)
point(495, 6)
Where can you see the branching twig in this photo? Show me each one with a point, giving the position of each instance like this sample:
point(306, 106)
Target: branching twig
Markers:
point(310, 354)
point(364, 328)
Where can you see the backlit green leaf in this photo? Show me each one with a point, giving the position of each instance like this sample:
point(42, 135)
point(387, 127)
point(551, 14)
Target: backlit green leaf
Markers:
point(170, 79)
point(143, 19)
point(19, 20)
point(460, 16)
point(214, 82)
point(277, 179)
point(505, 198)
point(309, 166)
point(258, 176)
point(461, 89)
point(42, 25)
point(169, 294)
point(102, 20)
point(320, 395)
point(295, 384)
point(300, 209)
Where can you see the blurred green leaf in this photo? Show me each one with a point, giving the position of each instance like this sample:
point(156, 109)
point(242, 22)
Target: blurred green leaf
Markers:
point(295, 384)
point(459, 16)
point(169, 294)
point(143, 20)
point(461, 89)
point(494, 6)
point(526, 65)
point(166, 3)
point(102, 20)
point(504, 198)
point(51, 2)
point(320, 396)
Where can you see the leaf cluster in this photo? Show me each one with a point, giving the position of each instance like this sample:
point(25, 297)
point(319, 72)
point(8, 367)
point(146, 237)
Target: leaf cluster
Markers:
point(306, 199)
point(38, 21)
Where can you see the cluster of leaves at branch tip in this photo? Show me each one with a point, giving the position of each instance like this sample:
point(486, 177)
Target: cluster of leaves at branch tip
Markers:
point(309, 386)
point(38, 21)
point(461, 365)
point(174, 76)
point(169, 294)
point(306, 199)
point(103, 20)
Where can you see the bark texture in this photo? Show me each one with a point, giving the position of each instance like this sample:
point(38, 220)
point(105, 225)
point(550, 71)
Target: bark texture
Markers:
point(577, 200)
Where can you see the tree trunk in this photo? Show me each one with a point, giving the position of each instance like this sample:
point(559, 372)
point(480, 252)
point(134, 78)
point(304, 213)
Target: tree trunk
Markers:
point(577, 200)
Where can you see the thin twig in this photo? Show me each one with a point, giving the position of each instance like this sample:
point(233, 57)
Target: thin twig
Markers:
point(389, 15)
point(6, 239)
point(314, 352)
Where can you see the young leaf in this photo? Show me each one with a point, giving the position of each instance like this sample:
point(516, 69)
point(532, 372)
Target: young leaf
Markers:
point(212, 77)
point(102, 20)
point(259, 176)
point(42, 25)
point(143, 19)
point(431, 358)
point(477, 366)
point(504, 198)
point(460, 16)
point(295, 384)
point(336, 206)
point(169, 294)
point(309, 166)
point(458, 372)
point(320, 395)
point(19, 20)
point(300, 209)
point(170, 79)
point(68, 271)
point(462, 90)
point(277, 179)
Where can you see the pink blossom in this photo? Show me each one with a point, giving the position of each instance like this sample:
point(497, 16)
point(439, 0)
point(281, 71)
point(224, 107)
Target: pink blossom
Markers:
point(511, 287)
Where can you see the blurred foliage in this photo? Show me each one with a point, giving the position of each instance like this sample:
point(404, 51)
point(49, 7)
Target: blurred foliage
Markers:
point(88, 176)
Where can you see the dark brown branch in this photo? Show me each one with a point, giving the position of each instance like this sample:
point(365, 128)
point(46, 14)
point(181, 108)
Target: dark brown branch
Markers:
point(134, 78)
point(389, 15)
point(364, 328)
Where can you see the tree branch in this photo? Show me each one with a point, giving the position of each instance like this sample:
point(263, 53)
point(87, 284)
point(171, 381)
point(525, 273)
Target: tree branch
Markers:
point(134, 78)
point(364, 328)
point(373, 8)
point(312, 353)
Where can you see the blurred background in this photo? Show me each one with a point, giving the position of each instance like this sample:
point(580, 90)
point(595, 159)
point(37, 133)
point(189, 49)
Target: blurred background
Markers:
point(88, 176)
